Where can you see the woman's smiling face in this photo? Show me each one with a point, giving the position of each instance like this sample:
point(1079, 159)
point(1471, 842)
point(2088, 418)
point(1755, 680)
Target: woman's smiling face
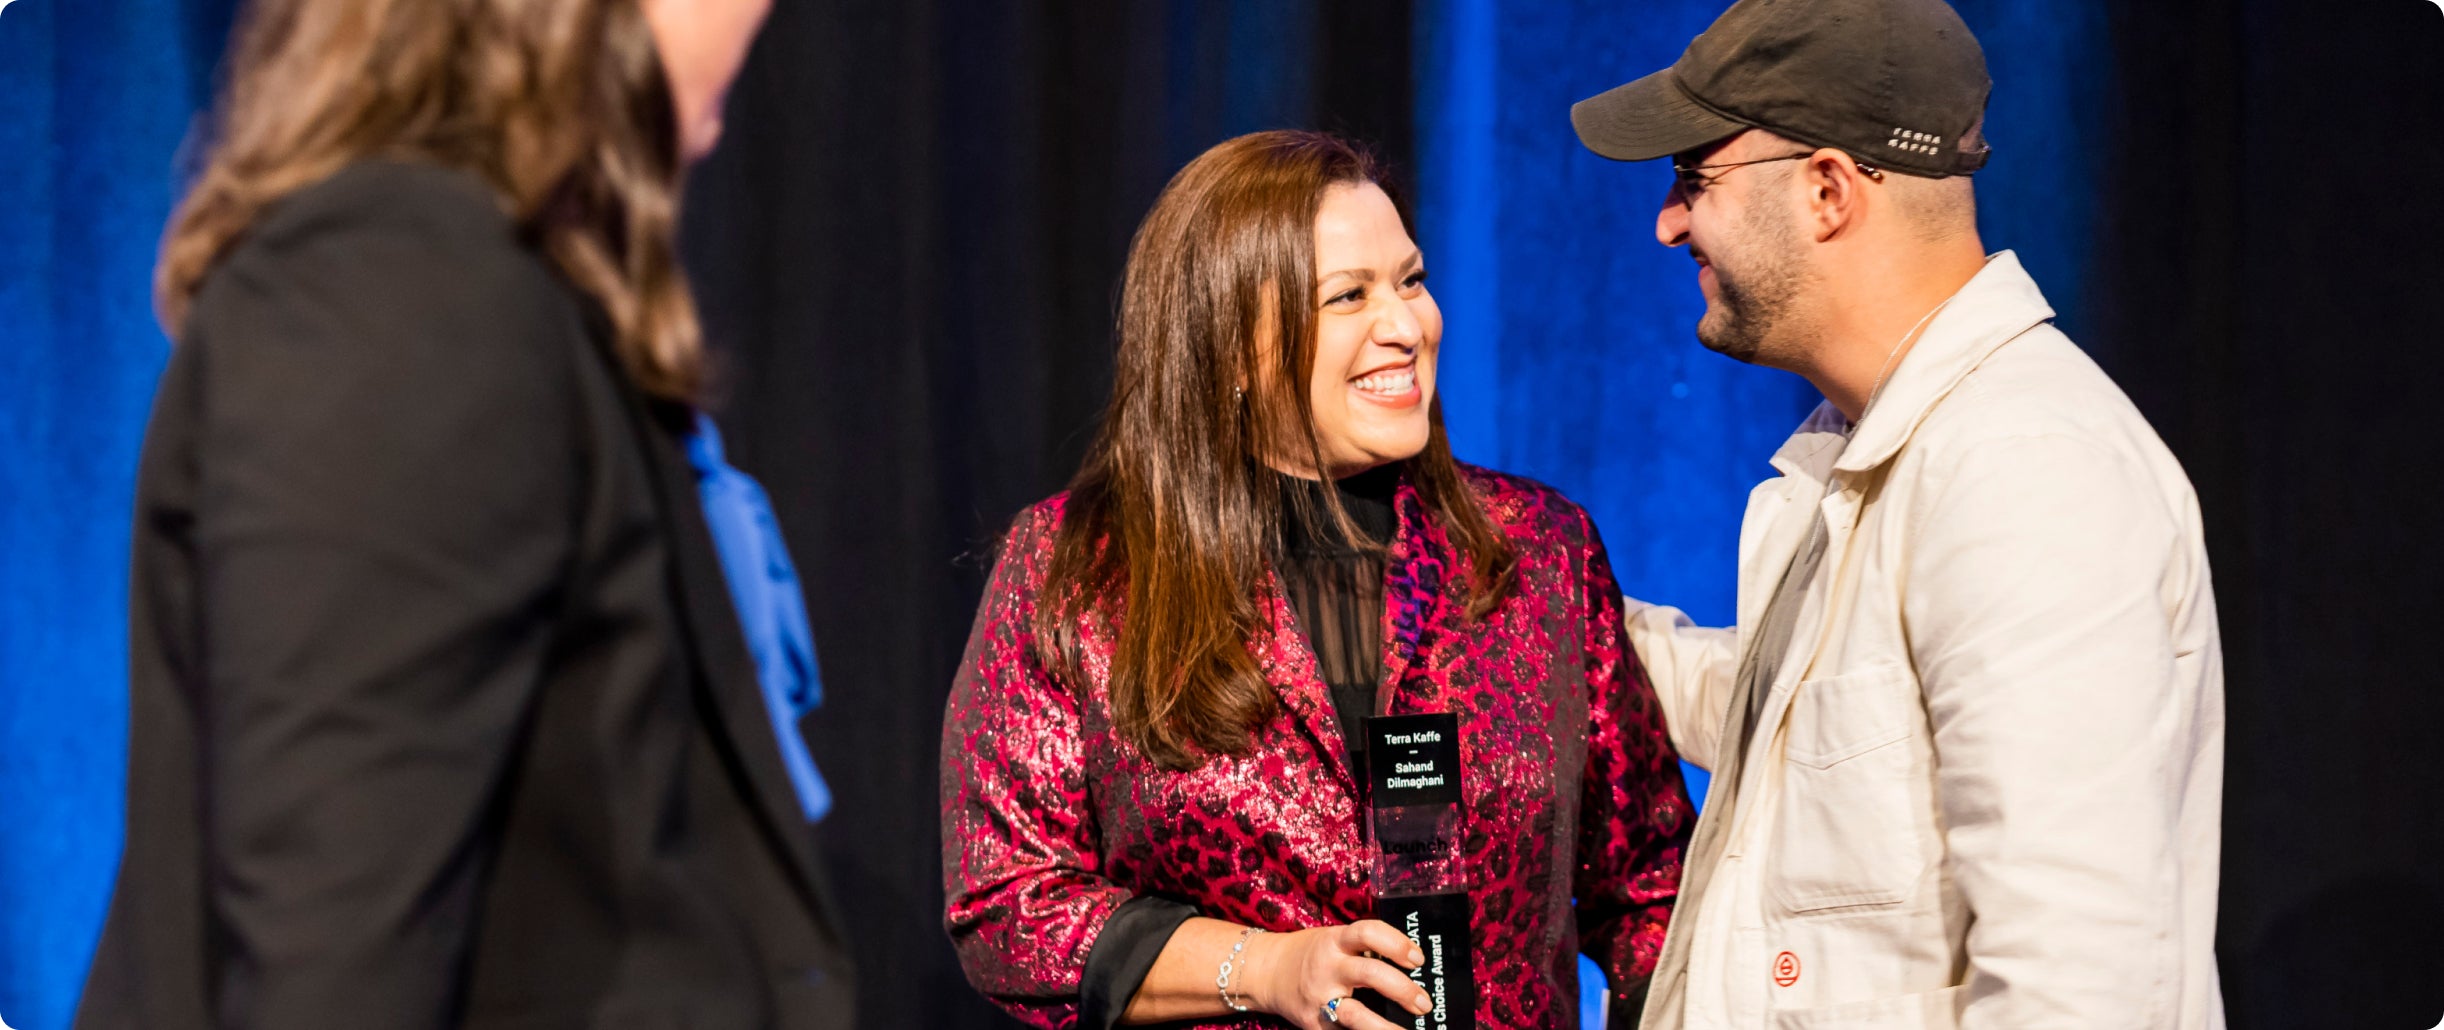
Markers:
point(1376, 332)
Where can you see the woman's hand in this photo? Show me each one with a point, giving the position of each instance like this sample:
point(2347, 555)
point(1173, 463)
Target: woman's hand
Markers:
point(1292, 975)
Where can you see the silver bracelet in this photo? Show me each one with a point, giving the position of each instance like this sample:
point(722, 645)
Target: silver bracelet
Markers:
point(1230, 963)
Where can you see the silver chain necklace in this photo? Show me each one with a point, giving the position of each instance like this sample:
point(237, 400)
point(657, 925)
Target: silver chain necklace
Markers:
point(1877, 390)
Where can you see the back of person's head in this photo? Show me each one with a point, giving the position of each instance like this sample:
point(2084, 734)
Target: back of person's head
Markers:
point(1912, 211)
point(1940, 210)
point(560, 105)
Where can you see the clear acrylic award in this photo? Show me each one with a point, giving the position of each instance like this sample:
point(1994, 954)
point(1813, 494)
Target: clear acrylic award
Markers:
point(1415, 809)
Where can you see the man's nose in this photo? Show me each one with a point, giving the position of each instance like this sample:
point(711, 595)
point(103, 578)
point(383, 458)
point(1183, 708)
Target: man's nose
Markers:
point(1672, 223)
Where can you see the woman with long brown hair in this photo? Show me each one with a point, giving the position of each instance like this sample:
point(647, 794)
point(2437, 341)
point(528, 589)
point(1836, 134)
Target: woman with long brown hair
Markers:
point(1154, 797)
point(459, 695)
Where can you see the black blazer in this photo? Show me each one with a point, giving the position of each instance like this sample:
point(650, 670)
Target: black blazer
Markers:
point(441, 715)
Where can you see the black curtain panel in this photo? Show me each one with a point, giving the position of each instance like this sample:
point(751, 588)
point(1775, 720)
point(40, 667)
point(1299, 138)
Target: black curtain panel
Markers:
point(2265, 272)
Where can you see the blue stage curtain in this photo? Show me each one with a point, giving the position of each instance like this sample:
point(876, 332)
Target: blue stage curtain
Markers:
point(1569, 351)
point(97, 97)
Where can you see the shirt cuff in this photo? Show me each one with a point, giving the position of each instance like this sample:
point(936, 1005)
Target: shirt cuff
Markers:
point(1122, 956)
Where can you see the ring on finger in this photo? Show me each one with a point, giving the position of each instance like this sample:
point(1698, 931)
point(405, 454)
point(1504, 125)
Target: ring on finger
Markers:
point(1332, 1010)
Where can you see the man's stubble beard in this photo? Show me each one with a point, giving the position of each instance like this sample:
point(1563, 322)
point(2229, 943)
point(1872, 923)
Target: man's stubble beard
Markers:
point(1752, 319)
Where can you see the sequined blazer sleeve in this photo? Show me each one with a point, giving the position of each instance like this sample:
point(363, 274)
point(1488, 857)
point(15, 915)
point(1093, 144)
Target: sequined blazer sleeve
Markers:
point(1635, 815)
point(1021, 865)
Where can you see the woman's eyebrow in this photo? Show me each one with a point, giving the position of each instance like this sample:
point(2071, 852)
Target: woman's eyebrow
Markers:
point(1367, 275)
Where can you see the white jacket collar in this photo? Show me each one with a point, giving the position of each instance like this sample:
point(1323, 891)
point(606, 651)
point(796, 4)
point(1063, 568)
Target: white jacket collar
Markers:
point(1812, 450)
point(1995, 306)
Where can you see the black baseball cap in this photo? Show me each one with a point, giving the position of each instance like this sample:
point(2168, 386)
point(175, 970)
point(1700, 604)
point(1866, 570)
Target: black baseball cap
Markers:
point(1898, 84)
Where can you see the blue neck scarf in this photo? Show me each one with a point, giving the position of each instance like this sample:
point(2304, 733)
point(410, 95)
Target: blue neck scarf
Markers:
point(771, 610)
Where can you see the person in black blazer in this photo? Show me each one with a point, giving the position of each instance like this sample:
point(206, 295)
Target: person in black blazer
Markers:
point(442, 715)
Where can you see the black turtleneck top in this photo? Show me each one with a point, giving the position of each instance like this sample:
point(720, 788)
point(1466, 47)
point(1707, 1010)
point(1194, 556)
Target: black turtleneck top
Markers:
point(1335, 588)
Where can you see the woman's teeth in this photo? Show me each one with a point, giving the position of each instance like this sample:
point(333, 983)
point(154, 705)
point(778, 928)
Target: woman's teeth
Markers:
point(1390, 383)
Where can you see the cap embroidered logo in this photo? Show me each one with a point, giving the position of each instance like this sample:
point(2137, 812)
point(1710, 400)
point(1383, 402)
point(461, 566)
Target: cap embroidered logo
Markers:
point(1927, 142)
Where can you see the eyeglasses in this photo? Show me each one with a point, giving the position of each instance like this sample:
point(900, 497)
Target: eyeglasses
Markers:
point(1692, 180)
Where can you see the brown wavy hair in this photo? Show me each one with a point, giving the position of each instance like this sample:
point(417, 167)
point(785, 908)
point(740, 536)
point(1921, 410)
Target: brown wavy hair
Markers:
point(561, 105)
point(1171, 520)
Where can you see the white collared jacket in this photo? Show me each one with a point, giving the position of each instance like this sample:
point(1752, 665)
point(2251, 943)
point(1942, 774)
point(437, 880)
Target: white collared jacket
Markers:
point(1985, 788)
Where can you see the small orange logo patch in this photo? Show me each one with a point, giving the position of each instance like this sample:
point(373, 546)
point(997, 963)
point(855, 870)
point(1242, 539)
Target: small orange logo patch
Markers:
point(1786, 969)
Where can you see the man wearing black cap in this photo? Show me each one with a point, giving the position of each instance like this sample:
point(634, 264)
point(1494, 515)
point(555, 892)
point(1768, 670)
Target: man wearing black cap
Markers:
point(1967, 738)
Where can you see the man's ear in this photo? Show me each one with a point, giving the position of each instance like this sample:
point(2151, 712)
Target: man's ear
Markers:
point(1837, 192)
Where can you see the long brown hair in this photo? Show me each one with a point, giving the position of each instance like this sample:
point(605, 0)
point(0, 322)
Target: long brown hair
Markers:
point(561, 105)
point(1169, 524)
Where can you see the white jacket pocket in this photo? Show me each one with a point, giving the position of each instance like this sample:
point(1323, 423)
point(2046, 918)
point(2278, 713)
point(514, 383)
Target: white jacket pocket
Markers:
point(1855, 804)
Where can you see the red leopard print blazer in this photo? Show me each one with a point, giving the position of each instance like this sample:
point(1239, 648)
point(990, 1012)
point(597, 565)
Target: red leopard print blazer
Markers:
point(1573, 792)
